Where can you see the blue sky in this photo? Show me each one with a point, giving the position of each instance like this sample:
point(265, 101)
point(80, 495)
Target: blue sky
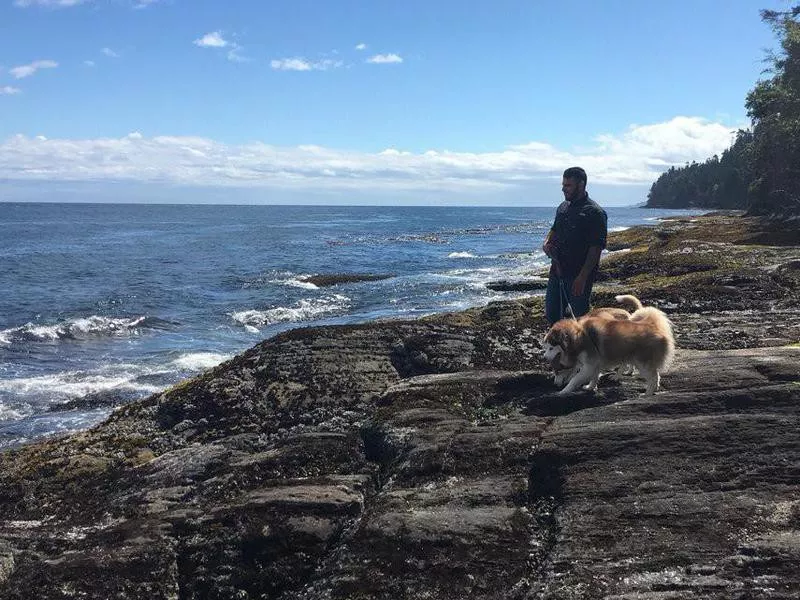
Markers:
point(349, 101)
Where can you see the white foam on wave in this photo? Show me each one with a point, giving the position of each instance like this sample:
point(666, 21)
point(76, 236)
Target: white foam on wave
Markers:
point(299, 283)
point(461, 255)
point(286, 278)
point(82, 328)
point(293, 280)
point(9, 413)
point(75, 384)
point(304, 310)
point(199, 361)
point(620, 228)
point(477, 278)
point(469, 273)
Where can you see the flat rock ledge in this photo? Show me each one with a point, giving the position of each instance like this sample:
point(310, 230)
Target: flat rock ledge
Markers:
point(432, 459)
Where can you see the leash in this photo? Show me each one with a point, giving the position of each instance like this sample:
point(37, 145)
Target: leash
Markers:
point(565, 298)
point(564, 294)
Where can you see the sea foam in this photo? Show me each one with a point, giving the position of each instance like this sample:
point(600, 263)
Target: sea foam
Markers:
point(304, 310)
point(73, 329)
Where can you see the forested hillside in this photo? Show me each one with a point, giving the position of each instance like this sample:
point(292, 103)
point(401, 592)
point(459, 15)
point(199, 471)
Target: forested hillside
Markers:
point(760, 172)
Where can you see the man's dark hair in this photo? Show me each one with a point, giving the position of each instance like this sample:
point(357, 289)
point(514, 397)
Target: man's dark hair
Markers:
point(576, 173)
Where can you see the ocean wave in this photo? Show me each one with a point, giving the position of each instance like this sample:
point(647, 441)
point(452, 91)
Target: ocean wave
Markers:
point(30, 427)
point(105, 386)
point(620, 228)
point(304, 310)
point(77, 329)
point(75, 384)
point(279, 278)
point(298, 282)
point(10, 413)
point(480, 272)
point(461, 255)
point(199, 361)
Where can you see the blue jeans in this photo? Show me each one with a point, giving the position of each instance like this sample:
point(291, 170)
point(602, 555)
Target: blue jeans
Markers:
point(555, 305)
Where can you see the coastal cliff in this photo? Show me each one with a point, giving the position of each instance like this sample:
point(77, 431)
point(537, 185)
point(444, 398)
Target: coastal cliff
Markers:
point(433, 459)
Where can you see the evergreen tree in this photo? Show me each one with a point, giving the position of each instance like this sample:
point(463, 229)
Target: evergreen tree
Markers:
point(761, 169)
point(774, 108)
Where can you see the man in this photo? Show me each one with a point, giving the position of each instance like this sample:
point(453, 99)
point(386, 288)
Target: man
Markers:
point(574, 244)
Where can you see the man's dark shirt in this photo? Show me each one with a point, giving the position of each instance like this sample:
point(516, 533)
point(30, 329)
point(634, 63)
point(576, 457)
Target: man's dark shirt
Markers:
point(578, 225)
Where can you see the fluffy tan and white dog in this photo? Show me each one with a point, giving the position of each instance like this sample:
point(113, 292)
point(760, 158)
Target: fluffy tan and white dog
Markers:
point(561, 373)
point(606, 339)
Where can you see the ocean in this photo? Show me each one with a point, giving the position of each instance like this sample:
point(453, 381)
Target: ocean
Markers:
point(105, 303)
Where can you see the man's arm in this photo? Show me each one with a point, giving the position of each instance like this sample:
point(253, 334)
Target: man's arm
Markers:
point(592, 258)
point(597, 238)
point(549, 244)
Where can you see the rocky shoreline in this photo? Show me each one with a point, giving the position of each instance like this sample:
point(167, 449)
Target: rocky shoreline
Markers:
point(432, 458)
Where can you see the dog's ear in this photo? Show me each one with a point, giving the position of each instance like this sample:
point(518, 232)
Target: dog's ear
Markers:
point(568, 341)
point(552, 337)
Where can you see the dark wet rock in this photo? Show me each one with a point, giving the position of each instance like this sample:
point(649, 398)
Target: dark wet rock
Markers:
point(331, 279)
point(96, 400)
point(434, 459)
point(528, 285)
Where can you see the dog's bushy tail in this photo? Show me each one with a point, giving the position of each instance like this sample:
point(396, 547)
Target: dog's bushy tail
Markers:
point(664, 327)
point(629, 302)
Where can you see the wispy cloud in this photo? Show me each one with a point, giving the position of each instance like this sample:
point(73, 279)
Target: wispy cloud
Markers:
point(89, 63)
point(212, 40)
point(635, 156)
point(235, 54)
point(361, 46)
point(109, 52)
point(7, 90)
point(303, 64)
point(27, 70)
point(385, 59)
point(290, 64)
point(215, 39)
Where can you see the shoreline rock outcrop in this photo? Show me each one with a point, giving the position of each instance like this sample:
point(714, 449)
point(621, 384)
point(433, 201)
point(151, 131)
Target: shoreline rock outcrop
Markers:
point(433, 458)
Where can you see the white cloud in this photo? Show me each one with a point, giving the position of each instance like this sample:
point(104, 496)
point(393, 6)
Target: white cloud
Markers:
point(109, 52)
point(384, 59)
point(235, 54)
point(89, 63)
point(290, 64)
point(303, 64)
point(28, 70)
point(215, 40)
point(212, 40)
point(361, 46)
point(7, 90)
point(637, 156)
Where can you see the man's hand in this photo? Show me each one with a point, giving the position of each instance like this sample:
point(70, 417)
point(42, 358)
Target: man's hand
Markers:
point(578, 286)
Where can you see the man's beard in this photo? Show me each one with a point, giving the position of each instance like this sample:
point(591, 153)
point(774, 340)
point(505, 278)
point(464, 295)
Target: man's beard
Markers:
point(574, 196)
